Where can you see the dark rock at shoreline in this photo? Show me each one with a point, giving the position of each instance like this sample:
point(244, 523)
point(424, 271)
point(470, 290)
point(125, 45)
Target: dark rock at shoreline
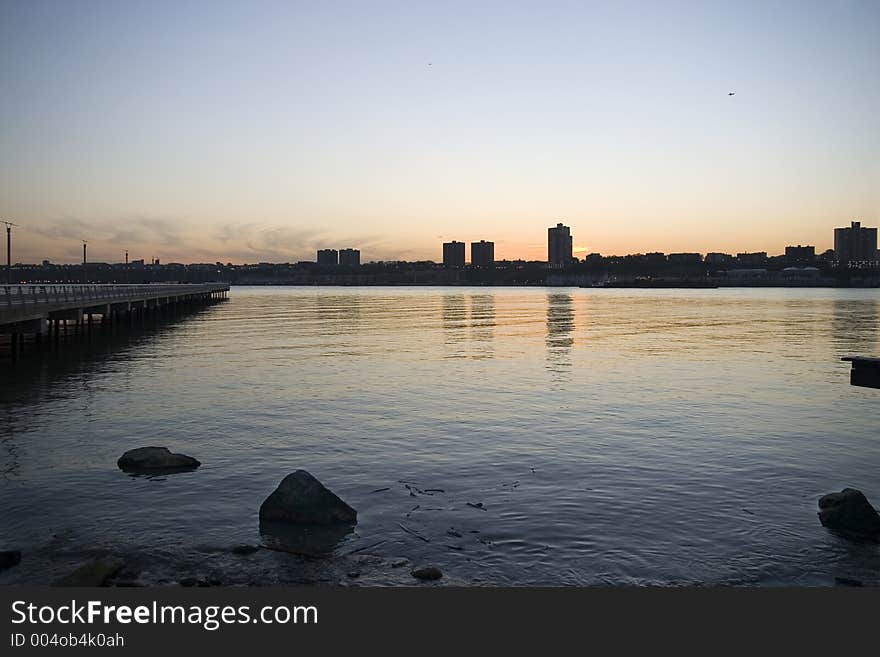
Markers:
point(849, 512)
point(201, 582)
point(244, 549)
point(9, 558)
point(129, 575)
point(427, 573)
point(155, 460)
point(301, 499)
point(93, 573)
point(848, 581)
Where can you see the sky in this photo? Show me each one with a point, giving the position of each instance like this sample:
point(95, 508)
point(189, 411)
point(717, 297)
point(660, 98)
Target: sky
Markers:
point(262, 131)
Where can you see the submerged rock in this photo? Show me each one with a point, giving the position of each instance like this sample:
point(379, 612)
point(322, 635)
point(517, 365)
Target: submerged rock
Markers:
point(849, 513)
point(127, 576)
point(305, 540)
point(155, 460)
point(94, 573)
point(303, 500)
point(427, 573)
point(9, 558)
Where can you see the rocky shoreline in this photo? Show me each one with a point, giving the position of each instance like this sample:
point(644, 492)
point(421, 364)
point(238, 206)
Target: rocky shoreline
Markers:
point(249, 566)
point(215, 565)
point(302, 524)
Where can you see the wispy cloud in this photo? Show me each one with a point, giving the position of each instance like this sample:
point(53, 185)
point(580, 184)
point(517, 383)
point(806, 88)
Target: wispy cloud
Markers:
point(178, 240)
point(125, 230)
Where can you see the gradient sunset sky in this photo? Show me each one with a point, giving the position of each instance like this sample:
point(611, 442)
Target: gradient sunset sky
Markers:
point(260, 131)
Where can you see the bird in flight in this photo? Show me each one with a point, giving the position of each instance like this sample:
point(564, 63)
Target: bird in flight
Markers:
point(732, 93)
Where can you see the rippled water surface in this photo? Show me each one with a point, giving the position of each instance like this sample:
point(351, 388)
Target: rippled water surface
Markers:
point(611, 436)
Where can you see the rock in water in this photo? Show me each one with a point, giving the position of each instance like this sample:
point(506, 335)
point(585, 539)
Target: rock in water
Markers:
point(94, 573)
point(426, 573)
point(155, 460)
point(8, 558)
point(850, 513)
point(302, 499)
point(848, 581)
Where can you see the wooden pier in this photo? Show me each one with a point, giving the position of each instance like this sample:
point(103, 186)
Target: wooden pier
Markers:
point(43, 311)
point(865, 371)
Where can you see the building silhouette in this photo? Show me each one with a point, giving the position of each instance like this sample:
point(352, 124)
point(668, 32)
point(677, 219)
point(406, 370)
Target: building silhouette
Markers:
point(855, 246)
point(453, 254)
point(328, 257)
point(559, 246)
point(752, 259)
point(482, 254)
point(350, 257)
point(800, 254)
point(684, 258)
point(716, 258)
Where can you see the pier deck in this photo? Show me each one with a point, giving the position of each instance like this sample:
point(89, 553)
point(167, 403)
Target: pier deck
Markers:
point(865, 371)
point(39, 310)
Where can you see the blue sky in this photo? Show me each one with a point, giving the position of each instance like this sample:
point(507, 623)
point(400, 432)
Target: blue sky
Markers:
point(202, 131)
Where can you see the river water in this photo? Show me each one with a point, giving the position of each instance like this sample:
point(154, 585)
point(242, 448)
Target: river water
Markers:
point(522, 435)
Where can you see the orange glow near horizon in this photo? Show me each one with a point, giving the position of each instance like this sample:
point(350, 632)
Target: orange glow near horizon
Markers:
point(256, 246)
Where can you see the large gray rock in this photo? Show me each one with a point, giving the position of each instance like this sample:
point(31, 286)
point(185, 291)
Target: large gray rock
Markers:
point(155, 460)
point(849, 512)
point(301, 499)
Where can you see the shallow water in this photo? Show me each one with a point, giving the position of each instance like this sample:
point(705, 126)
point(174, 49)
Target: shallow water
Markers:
point(611, 436)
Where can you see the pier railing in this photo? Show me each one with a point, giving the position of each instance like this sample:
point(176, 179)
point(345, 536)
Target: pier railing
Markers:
point(18, 296)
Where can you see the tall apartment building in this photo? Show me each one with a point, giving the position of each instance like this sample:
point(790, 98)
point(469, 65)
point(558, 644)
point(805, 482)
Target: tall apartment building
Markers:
point(453, 254)
point(328, 257)
point(350, 257)
point(855, 246)
point(482, 254)
point(559, 246)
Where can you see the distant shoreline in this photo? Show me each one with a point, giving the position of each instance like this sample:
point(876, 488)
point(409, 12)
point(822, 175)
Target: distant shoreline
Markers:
point(544, 285)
